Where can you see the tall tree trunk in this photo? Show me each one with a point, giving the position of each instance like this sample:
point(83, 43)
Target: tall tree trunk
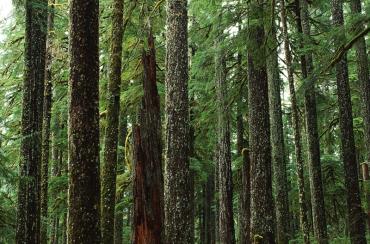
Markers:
point(46, 127)
point(118, 218)
point(296, 127)
point(108, 185)
point(177, 173)
point(226, 221)
point(84, 183)
point(28, 214)
point(57, 160)
point(277, 142)
point(355, 214)
point(217, 202)
point(364, 78)
point(148, 179)
point(314, 164)
point(209, 213)
point(262, 213)
point(242, 146)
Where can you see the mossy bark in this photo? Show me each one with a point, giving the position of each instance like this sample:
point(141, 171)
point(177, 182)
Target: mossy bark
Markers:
point(363, 76)
point(108, 185)
point(314, 163)
point(243, 150)
point(262, 208)
point(225, 187)
point(28, 214)
point(296, 127)
point(277, 142)
point(84, 182)
point(118, 218)
point(46, 127)
point(356, 225)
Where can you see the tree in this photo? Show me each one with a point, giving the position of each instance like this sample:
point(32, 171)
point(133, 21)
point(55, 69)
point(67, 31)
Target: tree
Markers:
point(84, 182)
point(29, 192)
point(355, 214)
point(296, 126)
point(148, 179)
point(243, 150)
point(314, 164)
point(262, 214)
point(177, 173)
point(45, 154)
point(225, 187)
point(108, 185)
point(363, 77)
point(277, 142)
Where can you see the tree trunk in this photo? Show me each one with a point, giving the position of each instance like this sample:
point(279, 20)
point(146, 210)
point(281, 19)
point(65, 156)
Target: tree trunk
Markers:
point(108, 185)
point(46, 127)
point(217, 196)
point(314, 164)
point(225, 187)
point(28, 214)
point(262, 211)
point(355, 214)
point(296, 127)
point(84, 183)
point(177, 173)
point(364, 78)
point(148, 179)
point(209, 214)
point(118, 219)
point(242, 147)
point(277, 142)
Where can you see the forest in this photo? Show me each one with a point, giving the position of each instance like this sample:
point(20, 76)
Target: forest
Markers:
point(184, 121)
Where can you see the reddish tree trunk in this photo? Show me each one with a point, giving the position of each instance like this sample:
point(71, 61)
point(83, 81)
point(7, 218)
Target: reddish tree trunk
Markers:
point(148, 180)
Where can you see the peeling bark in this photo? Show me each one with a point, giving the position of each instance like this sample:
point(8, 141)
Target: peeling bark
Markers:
point(148, 179)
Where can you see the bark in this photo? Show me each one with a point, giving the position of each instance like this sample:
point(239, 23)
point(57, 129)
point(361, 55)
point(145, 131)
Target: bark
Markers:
point(84, 182)
point(210, 213)
point(364, 78)
point(355, 214)
point(111, 133)
point(28, 214)
point(296, 127)
point(177, 173)
point(217, 202)
point(118, 219)
point(262, 213)
point(277, 142)
point(192, 172)
point(45, 154)
point(314, 164)
point(225, 187)
point(244, 195)
point(148, 179)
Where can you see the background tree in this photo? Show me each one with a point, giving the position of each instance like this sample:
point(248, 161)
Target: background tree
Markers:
point(29, 188)
point(108, 185)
